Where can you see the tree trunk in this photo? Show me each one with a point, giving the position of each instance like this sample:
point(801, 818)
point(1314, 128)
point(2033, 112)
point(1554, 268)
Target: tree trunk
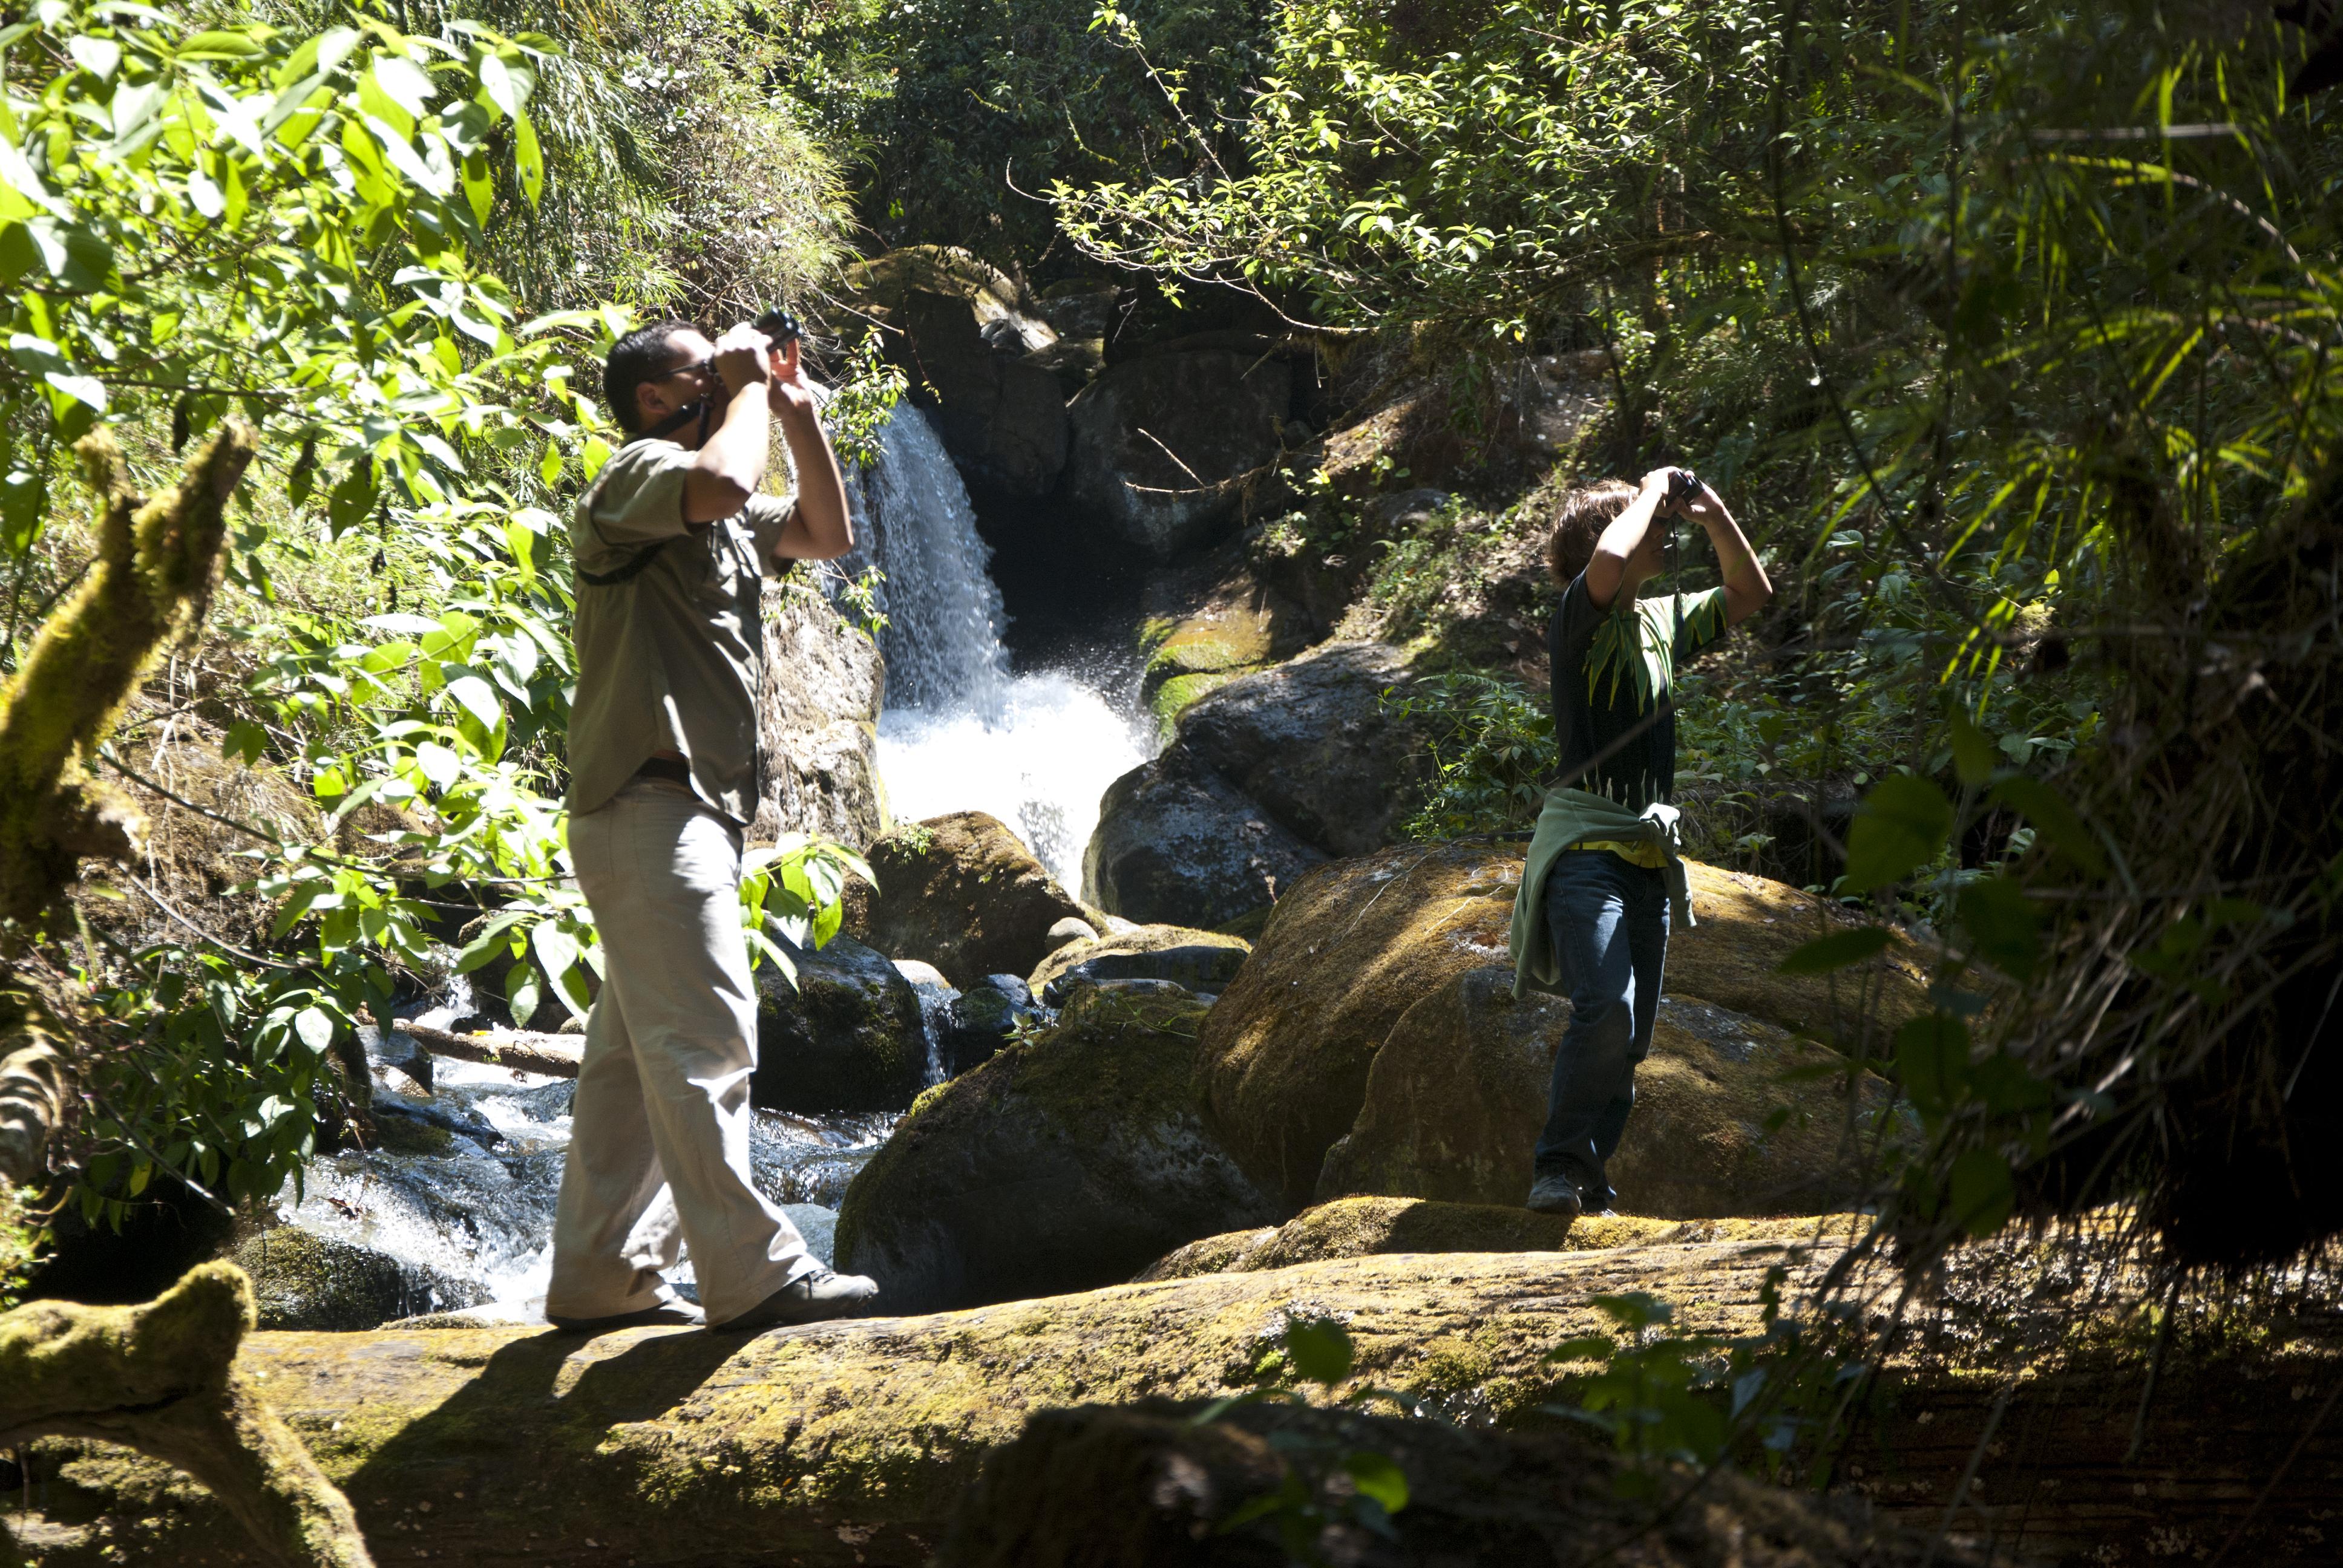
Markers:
point(553, 1055)
point(855, 1442)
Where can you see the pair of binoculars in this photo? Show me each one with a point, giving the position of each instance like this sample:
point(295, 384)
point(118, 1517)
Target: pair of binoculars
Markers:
point(779, 326)
point(1683, 485)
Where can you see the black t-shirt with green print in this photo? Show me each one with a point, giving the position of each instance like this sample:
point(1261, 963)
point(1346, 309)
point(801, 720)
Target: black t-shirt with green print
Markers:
point(1611, 668)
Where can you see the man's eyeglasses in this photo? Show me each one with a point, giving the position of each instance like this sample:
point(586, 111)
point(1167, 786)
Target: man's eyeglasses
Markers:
point(702, 368)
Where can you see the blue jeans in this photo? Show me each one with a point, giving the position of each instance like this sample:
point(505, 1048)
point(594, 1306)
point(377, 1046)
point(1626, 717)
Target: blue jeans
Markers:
point(1609, 924)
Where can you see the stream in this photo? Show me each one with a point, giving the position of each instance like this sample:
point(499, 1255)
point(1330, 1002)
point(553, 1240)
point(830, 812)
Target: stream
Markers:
point(962, 729)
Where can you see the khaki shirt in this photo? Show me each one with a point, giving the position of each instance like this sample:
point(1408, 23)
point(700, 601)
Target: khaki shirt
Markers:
point(669, 660)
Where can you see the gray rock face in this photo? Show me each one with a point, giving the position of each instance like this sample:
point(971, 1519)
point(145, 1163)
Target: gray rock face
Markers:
point(982, 364)
point(818, 719)
point(305, 1280)
point(1179, 845)
point(1159, 443)
point(1058, 1166)
point(849, 1037)
point(1267, 776)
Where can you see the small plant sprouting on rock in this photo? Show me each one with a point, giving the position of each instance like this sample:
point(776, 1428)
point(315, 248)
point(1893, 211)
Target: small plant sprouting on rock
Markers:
point(1326, 1482)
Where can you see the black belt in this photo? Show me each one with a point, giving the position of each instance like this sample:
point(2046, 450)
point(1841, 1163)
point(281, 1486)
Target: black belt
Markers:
point(674, 770)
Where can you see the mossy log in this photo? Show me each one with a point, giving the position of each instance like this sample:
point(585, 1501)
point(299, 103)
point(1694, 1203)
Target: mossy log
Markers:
point(854, 1441)
point(160, 1378)
point(152, 581)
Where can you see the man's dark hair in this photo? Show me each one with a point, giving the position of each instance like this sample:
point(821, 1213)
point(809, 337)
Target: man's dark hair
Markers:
point(1578, 526)
point(641, 356)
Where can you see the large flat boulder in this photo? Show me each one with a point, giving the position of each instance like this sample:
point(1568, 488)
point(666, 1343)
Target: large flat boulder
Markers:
point(1733, 1116)
point(962, 892)
point(1285, 1054)
point(1158, 444)
point(847, 1036)
point(858, 1440)
point(1359, 1227)
point(1059, 1165)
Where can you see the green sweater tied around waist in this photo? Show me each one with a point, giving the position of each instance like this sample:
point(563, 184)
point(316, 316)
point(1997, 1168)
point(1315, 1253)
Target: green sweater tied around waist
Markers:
point(1572, 817)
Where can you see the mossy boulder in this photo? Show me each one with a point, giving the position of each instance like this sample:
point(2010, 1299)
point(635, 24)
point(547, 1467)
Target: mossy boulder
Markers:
point(1285, 1055)
point(1368, 1227)
point(1201, 652)
point(861, 1441)
point(961, 892)
point(1059, 1165)
point(302, 1280)
point(1199, 961)
point(1733, 1116)
point(850, 1035)
point(1177, 844)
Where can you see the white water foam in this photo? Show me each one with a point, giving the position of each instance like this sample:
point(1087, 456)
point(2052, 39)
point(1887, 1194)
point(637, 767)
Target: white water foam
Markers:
point(959, 732)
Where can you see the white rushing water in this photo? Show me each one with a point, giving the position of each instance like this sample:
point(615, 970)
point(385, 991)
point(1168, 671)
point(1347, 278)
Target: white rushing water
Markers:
point(959, 731)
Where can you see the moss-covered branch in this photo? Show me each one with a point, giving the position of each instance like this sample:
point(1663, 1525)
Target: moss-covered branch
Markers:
point(161, 1378)
point(156, 561)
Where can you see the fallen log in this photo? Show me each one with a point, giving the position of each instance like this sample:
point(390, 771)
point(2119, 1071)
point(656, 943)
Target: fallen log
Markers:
point(855, 1442)
point(552, 1055)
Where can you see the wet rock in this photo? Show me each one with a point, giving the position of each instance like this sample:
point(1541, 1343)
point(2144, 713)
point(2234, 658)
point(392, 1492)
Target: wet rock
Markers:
point(818, 721)
point(1264, 775)
point(1179, 845)
point(923, 974)
point(1230, 635)
point(1060, 1165)
point(411, 1126)
point(981, 363)
point(1070, 930)
point(1733, 1116)
point(1160, 445)
point(961, 892)
point(1199, 961)
point(302, 1280)
point(1285, 1054)
point(818, 1226)
point(983, 1017)
point(847, 1036)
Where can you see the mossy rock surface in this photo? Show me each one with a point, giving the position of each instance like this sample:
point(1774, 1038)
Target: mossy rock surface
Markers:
point(962, 892)
point(302, 1280)
point(1356, 943)
point(857, 1443)
point(1733, 1116)
point(1059, 1165)
point(1199, 961)
point(1202, 651)
point(1368, 1227)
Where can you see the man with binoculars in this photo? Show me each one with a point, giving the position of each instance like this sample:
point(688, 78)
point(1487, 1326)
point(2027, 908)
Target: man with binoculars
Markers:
point(670, 542)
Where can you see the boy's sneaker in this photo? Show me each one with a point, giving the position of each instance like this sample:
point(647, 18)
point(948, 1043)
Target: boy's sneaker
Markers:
point(810, 1299)
point(1555, 1195)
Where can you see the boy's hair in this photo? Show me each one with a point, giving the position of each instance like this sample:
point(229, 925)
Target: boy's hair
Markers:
point(640, 357)
point(1578, 526)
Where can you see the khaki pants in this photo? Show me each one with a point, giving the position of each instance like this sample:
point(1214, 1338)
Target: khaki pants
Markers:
point(658, 1144)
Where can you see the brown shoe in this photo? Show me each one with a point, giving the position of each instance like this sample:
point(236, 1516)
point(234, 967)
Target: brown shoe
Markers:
point(810, 1299)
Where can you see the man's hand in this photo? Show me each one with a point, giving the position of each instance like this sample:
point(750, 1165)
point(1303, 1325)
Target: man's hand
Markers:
point(743, 355)
point(792, 393)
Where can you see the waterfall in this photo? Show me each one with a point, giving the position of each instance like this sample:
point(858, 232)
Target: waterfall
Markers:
point(960, 732)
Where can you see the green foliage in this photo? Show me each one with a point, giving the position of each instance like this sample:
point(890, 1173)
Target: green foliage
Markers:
point(955, 106)
point(293, 225)
point(1492, 748)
